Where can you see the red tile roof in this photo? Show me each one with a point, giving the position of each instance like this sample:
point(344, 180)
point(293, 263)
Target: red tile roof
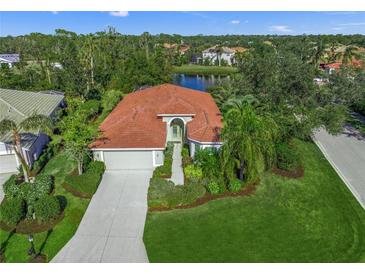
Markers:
point(135, 121)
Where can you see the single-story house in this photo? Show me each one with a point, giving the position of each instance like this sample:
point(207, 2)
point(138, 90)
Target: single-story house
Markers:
point(136, 132)
point(9, 59)
point(18, 105)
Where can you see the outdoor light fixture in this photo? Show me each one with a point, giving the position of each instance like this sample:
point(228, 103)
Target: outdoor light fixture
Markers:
point(31, 250)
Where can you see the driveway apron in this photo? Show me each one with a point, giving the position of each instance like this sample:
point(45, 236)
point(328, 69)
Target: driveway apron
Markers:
point(112, 227)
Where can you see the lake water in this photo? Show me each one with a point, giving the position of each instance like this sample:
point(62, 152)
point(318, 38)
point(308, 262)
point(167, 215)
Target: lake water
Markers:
point(199, 82)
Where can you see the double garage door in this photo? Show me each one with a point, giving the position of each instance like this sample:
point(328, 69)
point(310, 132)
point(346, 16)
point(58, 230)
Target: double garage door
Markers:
point(128, 160)
point(8, 163)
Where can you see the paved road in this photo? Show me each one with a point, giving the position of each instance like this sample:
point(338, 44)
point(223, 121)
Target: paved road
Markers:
point(3, 178)
point(112, 227)
point(346, 153)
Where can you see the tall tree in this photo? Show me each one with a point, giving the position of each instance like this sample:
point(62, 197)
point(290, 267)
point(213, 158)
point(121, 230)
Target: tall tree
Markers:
point(248, 138)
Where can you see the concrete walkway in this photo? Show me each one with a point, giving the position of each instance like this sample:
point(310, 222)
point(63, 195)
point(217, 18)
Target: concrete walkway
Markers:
point(346, 153)
point(112, 227)
point(177, 175)
point(3, 178)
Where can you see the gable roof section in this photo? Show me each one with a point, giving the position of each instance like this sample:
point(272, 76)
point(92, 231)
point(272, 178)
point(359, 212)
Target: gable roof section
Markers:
point(136, 123)
point(26, 103)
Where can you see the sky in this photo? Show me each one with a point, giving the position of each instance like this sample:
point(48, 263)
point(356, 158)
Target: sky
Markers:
point(185, 23)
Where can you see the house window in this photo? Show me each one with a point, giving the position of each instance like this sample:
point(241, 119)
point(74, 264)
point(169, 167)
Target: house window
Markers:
point(174, 131)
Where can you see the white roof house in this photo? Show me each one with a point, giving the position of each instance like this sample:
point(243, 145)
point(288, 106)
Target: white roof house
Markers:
point(9, 59)
point(227, 54)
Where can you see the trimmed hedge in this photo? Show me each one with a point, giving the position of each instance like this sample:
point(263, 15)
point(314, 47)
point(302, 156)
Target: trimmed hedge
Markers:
point(287, 157)
point(165, 171)
point(86, 184)
point(11, 187)
point(165, 194)
point(47, 208)
point(12, 211)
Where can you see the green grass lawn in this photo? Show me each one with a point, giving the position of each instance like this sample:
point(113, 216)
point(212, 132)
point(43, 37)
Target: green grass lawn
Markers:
point(203, 70)
point(313, 219)
point(51, 242)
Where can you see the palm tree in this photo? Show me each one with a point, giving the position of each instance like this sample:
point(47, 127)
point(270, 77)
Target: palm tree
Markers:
point(34, 123)
point(318, 54)
point(332, 53)
point(248, 138)
point(219, 50)
point(349, 54)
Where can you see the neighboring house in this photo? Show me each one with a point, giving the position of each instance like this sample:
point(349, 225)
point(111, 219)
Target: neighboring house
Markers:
point(226, 54)
point(333, 67)
point(135, 134)
point(9, 59)
point(182, 49)
point(18, 105)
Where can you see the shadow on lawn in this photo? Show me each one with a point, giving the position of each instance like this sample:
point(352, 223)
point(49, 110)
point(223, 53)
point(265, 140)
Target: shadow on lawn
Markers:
point(4, 245)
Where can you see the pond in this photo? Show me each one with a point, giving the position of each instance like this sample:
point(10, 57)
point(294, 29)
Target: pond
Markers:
point(199, 82)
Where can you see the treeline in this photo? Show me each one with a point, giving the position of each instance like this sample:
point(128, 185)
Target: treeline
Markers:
point(84, 65)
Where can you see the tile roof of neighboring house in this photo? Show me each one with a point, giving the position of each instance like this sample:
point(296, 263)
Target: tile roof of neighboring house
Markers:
point(214, 48)
point(10, 58)
point(239, 49)
point(337, 65)
point(135, 121)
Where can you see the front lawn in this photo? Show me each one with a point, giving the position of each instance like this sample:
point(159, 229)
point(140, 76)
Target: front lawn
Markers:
point(204, 70)
point(16, 245)
point(312, 219)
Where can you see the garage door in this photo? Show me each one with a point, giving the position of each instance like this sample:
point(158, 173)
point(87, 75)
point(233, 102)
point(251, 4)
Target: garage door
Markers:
point(128, 159)
point(8, 163)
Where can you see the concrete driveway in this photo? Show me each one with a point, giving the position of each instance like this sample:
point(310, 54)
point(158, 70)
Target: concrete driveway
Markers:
point(346, 153)
point(112, 227)
point(3, 178)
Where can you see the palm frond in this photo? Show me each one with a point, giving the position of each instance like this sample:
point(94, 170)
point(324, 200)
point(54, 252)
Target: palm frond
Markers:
point(36, 123)
point(7, 125)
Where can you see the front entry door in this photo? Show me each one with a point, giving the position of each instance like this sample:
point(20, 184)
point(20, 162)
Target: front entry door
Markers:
point(176, 133)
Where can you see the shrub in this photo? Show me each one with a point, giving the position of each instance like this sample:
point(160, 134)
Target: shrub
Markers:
point(44, 184)
point(287, 157)
point(97, 167)
point(164, 171)
point(186, 159)
point(90, 108)
point(11, 187)
point(193, 172)
point(213, 188)
point(164, 193)
point(234, 185)
point(86, 184)
point(12, 211)
point(209, 161)
point(47, 208)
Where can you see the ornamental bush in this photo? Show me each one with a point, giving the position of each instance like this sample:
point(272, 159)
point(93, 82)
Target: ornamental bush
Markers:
point(11, 187)
point(12, 211)
point(287, 157)
point(193, 172)
point(44, 184)
point(47, 208)
point(234, 185)
point(213, 188)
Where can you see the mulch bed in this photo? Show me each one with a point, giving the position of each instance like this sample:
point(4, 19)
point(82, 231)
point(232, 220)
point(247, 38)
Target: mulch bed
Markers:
point(293, 174)
point(40, 258)
point(77, 193)
point(31, 226)
point(249, 190)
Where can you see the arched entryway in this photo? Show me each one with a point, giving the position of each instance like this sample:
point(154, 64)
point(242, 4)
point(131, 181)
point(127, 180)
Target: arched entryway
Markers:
point(177, 130)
